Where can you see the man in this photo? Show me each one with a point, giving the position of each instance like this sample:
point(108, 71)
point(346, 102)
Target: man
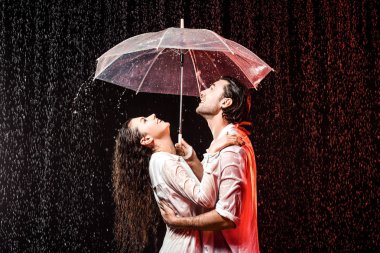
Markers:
point(234, 219)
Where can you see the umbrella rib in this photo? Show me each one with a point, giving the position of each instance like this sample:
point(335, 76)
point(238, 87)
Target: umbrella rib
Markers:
point(147, 72)
point(206, 52)
point(104, 68)
point(195, 70)
point(117, 55)
point(222, 42)
point(163, 35)
point(110, 63)
point(243, 71)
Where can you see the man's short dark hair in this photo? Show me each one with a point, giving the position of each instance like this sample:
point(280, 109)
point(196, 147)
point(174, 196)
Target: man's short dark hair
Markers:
point(239, 110)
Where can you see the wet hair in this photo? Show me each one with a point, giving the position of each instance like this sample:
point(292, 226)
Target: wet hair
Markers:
point(239, 110)
point(137, 216)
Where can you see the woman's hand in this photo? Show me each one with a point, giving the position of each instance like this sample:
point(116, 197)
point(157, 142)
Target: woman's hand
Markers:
point(185, 150)
point(225, 141)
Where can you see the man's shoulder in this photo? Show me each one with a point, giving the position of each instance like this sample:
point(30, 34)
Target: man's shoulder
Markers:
point(231, 150)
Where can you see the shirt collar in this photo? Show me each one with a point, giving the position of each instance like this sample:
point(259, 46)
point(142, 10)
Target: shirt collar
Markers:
point(225, 130)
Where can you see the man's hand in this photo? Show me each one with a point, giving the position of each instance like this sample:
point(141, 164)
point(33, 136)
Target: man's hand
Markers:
point(167, 214)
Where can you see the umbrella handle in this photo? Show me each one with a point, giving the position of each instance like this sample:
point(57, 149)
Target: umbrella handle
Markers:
point(179, 138)
point(182, 25)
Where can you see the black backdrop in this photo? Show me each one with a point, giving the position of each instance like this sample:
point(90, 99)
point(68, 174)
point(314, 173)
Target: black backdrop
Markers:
point(314, 118)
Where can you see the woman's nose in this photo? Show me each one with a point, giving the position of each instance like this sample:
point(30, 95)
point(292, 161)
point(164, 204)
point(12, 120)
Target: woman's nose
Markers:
point(153, 116)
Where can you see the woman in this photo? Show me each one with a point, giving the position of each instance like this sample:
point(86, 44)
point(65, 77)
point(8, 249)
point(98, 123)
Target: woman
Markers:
point(144, 143)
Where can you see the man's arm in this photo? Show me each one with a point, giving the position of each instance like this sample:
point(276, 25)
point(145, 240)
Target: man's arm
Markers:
point(206, 221)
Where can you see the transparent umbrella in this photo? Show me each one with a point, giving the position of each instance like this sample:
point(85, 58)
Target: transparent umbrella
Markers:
point(179, 61)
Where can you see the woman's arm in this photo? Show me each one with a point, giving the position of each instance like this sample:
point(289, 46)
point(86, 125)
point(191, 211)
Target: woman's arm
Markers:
point(225, 141)
point(181, 180)
point(186, 151)
point(228, 208)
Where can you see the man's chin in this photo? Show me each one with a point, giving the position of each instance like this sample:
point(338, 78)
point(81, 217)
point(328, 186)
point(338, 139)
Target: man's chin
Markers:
point(199, 111)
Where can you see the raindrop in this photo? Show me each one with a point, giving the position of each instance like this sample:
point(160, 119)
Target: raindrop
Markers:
point(88, 81)
point(119, 101)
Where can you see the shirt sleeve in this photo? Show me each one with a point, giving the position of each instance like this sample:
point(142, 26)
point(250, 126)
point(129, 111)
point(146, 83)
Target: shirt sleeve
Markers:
point(202, 193)
point(232, 176)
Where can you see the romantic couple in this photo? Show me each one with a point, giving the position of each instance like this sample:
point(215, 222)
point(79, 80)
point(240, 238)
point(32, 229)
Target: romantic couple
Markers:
point(208, 206)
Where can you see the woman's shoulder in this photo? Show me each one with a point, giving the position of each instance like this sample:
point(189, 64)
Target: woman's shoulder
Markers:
point(163, 156)
point(163, 164)
point(157, 166)
point(162, 159)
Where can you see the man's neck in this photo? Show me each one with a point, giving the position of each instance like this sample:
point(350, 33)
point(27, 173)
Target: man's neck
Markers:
point(216, 124)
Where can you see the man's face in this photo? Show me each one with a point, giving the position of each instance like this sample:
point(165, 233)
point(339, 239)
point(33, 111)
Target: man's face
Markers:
point(211, 99)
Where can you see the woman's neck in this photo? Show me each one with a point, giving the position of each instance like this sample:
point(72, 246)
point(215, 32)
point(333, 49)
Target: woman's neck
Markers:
point(164, 145)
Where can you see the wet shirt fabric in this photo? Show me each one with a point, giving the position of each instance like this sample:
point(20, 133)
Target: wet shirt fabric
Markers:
point(234, 172)
point(173, 181)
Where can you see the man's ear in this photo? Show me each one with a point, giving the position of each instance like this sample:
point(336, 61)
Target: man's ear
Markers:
point(226, 102)
point(146, 141)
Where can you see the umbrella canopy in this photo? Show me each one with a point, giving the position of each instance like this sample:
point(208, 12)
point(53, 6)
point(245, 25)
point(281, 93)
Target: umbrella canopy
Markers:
point(150, 62)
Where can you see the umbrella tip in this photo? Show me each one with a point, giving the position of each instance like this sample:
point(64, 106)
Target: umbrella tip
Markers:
point(182, 23)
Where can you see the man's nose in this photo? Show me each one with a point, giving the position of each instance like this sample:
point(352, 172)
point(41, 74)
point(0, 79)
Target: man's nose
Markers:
point(152, 116)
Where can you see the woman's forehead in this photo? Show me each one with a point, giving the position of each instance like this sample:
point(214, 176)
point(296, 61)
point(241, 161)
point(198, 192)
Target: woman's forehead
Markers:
point(135, 122)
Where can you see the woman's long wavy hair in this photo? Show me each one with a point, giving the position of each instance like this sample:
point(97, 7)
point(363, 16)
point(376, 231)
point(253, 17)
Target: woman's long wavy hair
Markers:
point(136, 216)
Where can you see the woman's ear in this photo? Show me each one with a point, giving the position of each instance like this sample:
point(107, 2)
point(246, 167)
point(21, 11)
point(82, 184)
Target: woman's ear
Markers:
point(146, 141)
point(226, 102)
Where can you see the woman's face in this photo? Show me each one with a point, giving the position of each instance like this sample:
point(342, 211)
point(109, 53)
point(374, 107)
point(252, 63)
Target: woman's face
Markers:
point(150, 126)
